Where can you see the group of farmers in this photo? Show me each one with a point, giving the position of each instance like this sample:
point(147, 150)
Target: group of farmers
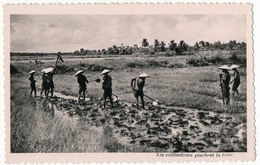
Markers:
point(137, 85)
point(225, 81)
point(47, 81)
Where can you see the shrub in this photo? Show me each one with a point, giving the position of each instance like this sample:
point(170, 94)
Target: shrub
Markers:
point(152, 52)
point(82, 64)
point(196, 62)
point(234, 58)
point(13, 69)
point(96, 67)
point(64, 69)
point(176, 65)
point(135, 64)
point(169, 53)
point(216, 59)
point(153, 63)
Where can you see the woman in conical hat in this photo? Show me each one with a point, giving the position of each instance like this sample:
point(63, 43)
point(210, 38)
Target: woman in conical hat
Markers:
point(235, 80)
point(33, 86)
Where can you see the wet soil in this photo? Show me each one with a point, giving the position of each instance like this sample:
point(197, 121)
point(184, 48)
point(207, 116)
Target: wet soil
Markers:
point(161, 128)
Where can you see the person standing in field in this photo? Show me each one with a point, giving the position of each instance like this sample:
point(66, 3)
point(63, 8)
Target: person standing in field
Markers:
point(137, 85)
point(50, 83)
point(82, 80)
point(224, 83)
point(33, 86)
point(107, 87)
point(44, 83)
point(236, 80)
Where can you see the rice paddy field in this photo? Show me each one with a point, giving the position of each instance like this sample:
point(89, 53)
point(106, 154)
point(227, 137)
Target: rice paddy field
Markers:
point(190, 118)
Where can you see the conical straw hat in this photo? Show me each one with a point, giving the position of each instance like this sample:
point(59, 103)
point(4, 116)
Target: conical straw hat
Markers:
point(224, 67)
point(32, 71)
point(48, 70)
point(43, 70)
point(144, 75)
point(78, 72)
point(233, 66)
point(105, 71)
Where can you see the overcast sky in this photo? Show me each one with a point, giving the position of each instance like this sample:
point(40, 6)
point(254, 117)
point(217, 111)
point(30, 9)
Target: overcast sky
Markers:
point(53, 33)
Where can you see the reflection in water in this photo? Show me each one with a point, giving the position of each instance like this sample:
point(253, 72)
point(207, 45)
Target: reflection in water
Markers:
point(48, 107)
point(51, 109)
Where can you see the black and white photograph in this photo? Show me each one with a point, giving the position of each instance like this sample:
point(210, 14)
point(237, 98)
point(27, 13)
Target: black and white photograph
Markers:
point(129, 83)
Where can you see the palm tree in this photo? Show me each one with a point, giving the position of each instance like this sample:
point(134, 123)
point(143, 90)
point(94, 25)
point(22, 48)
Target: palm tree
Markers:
point(162, 46)
point(145, 43)
point(156, 44)
point(172, 45)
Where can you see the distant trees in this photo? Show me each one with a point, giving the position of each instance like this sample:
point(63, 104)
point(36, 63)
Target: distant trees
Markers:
point(172, 45)
point(156, 45)
point(162, 46)
point(145, 43)
point(172, 48)
point(182, 47)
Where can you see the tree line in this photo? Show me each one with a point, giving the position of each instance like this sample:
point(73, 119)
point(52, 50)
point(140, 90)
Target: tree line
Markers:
point(156, 47)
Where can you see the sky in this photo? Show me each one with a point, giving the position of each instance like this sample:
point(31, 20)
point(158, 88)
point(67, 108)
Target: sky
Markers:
point(67, 33)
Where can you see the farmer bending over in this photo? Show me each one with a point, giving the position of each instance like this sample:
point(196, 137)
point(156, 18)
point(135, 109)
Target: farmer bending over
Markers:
point(107, 87)
point(137, 85)
point(82, 84)
point(31, 78)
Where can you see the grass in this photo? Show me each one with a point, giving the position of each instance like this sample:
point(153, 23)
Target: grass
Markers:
point(34, 129)
point(183, 86)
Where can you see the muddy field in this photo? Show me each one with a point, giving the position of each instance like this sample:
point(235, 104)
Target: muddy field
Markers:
point(160, 128)
point(189, 119)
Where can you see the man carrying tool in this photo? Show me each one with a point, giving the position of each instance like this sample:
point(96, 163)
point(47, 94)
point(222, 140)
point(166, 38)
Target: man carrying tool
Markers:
point(107, 87)
point(137, 85)
point(224, 83)
point(33, 86)
point(82, 84)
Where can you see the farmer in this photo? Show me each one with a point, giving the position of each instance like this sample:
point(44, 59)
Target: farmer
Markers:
point(236, 80)
point(50, 83)
point(33, 86)
point(137, 85)
point(224, 83)
point(82, 84)
point(107, 87)
point(44, 82)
